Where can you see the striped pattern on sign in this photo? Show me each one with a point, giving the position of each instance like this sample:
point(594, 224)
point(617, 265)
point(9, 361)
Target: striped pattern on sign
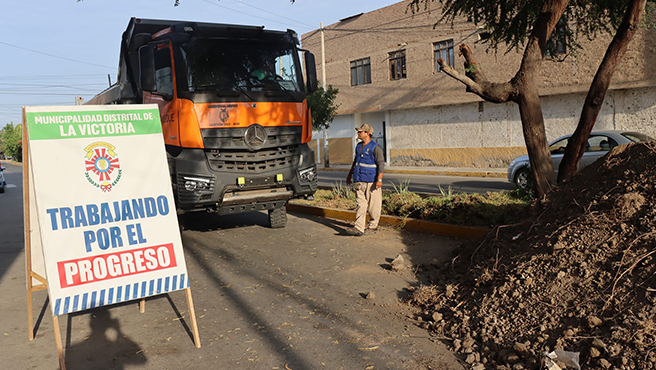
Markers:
point(119, 294)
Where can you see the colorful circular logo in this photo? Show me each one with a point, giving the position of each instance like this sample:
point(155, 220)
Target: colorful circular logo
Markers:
point(101, 162)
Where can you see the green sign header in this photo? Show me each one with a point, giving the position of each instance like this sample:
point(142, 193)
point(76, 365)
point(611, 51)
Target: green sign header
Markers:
point(86, 123)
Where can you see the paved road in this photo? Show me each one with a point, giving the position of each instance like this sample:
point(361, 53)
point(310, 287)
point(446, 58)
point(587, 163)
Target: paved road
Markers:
point(426, 184)
point(265, 298)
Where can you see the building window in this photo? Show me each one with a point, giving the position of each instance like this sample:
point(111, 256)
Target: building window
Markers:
point(360, 72)
point(397, 65)
point(444, 50)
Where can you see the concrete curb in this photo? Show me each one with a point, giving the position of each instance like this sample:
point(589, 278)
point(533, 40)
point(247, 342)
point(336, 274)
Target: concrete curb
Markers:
point(462, 232)
point(481, 173)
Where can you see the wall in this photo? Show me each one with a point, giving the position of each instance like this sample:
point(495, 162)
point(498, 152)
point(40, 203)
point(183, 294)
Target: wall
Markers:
point(490, 135)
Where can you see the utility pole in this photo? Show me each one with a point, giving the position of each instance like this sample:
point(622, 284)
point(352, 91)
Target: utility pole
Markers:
point(326, 154)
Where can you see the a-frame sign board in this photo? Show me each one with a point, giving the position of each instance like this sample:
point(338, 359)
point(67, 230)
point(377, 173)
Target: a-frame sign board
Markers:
point(108, 231)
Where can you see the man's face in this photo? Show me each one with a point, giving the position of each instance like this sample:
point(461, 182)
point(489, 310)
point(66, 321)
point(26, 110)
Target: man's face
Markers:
point(362, 134)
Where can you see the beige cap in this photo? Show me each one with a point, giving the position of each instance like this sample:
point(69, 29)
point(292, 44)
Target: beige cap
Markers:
point(366, 128)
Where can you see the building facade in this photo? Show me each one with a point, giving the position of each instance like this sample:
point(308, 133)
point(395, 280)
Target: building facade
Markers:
point(384, 64)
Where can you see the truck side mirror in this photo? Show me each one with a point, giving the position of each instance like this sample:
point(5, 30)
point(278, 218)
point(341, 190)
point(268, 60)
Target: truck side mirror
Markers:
point(147, 68)
point(311, 72)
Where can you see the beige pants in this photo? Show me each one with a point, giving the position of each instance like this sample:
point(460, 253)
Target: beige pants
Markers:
point(369, 200)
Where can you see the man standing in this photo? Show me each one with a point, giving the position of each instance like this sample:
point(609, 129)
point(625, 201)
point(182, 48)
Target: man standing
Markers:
point(366, 174)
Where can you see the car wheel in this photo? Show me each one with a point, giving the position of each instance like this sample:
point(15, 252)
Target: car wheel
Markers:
point(277, 217)
point(523, 178)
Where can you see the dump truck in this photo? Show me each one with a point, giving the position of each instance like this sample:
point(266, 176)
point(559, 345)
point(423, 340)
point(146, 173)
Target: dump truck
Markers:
point(232, 102)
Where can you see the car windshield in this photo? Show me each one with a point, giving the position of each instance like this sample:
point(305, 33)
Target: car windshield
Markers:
point(240, 65)
point(637, 137)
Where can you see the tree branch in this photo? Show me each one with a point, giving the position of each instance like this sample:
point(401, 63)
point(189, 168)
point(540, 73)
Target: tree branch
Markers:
point(476, 80)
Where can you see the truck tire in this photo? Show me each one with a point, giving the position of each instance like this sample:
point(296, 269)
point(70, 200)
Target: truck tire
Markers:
point(278, 217)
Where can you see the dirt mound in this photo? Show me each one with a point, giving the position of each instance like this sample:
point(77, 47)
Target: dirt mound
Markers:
point(577, 275)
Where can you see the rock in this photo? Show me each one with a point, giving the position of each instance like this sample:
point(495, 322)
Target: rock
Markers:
point(471, 358)
point(594, 321)
point(594, 352)
point(370, 296)
point(521, 349)
point(598, 343)
point(437, 317)
point(604, 363)
point(398, 263)
point(456, 345)
point(568, 333)
point(468, 342)
point(478, 366)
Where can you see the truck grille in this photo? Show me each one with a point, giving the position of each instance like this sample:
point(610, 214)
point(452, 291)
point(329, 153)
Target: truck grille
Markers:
point(233, 138)
point(242, 161)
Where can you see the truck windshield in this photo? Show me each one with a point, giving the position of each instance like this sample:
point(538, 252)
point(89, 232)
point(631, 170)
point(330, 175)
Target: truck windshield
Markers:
point(240, 65)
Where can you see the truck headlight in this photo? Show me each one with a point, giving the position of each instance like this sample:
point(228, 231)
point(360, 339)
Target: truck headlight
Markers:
point(308, 174)
point(192, 184)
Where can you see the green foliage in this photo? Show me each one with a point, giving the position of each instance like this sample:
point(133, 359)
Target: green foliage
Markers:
point(403, 187)
point(482, 210)
point(322, 104)
point(341, 191)
point(449, 191)
point(11, 142)
point(405, 204)
point(512, 23)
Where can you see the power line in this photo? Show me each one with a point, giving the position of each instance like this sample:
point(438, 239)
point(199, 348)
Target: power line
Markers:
point(277, 15)
point(53, 76)
point(54, 56)
point(250, 15)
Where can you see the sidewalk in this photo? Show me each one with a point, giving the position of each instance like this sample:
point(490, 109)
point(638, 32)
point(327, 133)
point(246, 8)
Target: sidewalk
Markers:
point(441, 171)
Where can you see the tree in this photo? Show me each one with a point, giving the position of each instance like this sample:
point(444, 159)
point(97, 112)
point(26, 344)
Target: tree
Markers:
point(616, 50)
point(322, 105)
point(11, 138)
point(529, 24)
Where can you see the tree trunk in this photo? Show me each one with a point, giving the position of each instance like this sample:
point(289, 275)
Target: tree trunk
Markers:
point(527, 81)
point(326, 153)
point(614, 54)
point(522, 89)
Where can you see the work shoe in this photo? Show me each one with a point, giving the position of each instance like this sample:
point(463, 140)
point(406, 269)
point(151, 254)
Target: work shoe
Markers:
point(353, 231)
point(370, 231)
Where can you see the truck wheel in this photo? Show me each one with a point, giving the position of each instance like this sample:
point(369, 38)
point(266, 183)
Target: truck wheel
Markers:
point(277, 217)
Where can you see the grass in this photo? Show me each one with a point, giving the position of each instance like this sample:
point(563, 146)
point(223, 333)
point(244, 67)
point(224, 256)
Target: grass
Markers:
point(449, 206)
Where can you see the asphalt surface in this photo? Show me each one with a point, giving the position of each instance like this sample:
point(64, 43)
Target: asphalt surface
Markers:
point(417, 181)
point(291, 298)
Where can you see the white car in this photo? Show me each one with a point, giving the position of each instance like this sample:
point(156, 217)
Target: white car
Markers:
point(599, 143)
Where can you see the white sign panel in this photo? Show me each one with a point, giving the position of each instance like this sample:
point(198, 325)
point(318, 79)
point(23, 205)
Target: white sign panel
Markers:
point(104, 205)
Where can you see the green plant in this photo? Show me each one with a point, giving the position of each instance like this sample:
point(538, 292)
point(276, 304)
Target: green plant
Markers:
point(403, 188)
point(341, 191)
point(405, 204)
point(448, 192)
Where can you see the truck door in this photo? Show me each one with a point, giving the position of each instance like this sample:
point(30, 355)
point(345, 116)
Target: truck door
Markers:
point(164, 95)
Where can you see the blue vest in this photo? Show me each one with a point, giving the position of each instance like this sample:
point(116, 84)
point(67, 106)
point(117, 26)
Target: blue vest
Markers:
point(365, 163)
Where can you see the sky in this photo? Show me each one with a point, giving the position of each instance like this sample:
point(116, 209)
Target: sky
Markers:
point(54, 50)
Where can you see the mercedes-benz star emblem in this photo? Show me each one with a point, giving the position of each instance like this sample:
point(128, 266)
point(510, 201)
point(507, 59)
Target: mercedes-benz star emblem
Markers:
point(255, 137)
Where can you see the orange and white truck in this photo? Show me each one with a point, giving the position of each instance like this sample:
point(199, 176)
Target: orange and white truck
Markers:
point(233, 107)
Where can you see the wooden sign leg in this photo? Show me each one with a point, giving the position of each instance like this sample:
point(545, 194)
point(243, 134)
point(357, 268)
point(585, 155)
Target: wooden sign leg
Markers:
point(58, 342)
point(142, 305)
point(192, 315)
point(30, 315)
